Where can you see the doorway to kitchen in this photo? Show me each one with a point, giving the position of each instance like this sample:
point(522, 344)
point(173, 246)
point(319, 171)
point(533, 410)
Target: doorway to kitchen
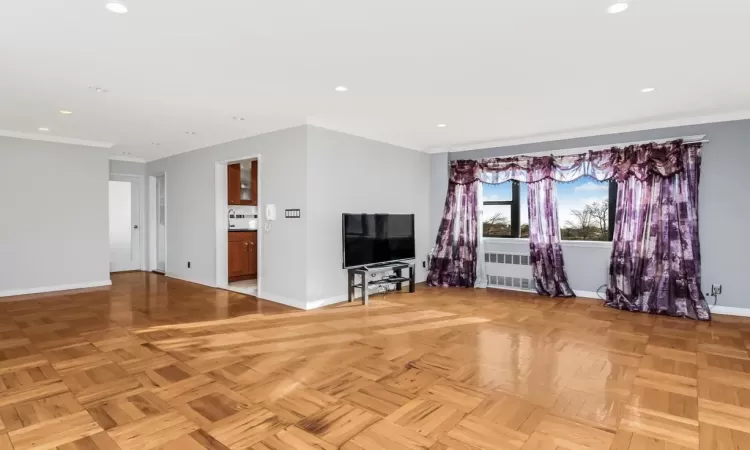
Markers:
point(238, 242)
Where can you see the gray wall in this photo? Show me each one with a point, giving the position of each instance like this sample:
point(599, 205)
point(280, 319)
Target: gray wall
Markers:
point(127, 167)
point(324, 173)
point(54, 219)
point(438, 191)
point(351, 174)
point(191, 209)
point(724, 211)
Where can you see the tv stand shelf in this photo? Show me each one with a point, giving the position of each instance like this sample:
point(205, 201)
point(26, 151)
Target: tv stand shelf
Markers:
point(391, 274)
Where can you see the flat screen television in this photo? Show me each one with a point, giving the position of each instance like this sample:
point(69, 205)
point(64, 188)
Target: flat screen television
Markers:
point(377, 238)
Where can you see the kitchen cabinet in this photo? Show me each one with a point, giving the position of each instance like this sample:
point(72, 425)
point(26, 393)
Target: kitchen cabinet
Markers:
point(242, 253)
point(242, 183)
point(233, 184)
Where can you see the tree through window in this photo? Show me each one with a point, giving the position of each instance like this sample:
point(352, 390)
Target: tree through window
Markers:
point(585, 209)
point(505, 210)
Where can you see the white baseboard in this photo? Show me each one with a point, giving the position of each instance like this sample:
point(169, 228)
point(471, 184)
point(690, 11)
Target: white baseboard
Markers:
point(509, 288)
point(587, 294)
point(730, 310)
point(59, 287)
point(314, 304)
point(283, 300)
point(262, 295)
point(584, 294)
point(171, 275)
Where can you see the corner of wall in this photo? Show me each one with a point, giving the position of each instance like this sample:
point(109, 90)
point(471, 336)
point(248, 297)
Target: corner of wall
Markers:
point(293, 302)
point(310, 207)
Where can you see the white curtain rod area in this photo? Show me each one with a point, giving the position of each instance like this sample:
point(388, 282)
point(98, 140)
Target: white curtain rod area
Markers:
point(576, 150)
point(687, 139)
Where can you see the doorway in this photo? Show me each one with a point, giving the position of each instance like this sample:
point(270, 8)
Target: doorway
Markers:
point(125, 241)
point(239, 238)
point(158, 223)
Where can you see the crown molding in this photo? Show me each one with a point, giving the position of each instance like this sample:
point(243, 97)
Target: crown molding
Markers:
point(653, 125)
point(52, 138)
point(127, 158)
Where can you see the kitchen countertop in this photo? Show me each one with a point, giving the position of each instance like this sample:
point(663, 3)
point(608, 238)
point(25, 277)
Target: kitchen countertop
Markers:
point(241, 229)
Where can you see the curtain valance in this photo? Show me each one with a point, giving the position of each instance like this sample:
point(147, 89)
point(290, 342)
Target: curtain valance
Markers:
point(639, 161)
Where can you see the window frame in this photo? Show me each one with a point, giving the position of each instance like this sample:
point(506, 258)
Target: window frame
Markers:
point(612, 204)
point(515, 211)
point(612, 210)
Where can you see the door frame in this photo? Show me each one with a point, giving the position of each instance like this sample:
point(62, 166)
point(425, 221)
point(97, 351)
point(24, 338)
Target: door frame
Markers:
point(222, 222)
point(153, 231)
point(138, 179)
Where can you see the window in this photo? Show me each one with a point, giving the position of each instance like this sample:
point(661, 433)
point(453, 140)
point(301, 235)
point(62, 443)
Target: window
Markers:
point(586, 209)
point(505, 211)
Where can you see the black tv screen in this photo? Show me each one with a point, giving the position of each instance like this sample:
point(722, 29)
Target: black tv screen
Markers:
point(377, 238)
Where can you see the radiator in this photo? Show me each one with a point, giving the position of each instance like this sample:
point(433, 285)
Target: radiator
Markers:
point(508, 271)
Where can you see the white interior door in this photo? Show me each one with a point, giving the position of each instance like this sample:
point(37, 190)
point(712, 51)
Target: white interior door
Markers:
point(124, 224)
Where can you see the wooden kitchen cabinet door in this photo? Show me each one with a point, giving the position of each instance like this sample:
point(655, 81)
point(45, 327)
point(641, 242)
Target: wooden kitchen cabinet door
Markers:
point(234, 182)
point(239, 258)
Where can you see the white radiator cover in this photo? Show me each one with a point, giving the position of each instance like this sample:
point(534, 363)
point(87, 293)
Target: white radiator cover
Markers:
point(509, 271)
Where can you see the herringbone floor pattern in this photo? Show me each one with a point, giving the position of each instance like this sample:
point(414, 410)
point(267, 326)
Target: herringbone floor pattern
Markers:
point(158, 363)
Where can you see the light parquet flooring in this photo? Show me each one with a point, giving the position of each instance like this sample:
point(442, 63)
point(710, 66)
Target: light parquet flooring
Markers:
point(155, 363)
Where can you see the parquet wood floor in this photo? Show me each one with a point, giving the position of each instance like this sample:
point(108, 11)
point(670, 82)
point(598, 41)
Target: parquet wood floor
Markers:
point(154, 363)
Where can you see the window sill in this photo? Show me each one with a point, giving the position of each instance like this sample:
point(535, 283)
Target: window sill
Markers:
point(593, 244)
point(500, 240)
point(590, 244)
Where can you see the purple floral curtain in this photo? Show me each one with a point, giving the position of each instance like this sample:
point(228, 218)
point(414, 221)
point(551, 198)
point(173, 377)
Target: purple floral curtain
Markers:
point(454, 261)
point(655, 263)
point(544, 238)
point(656, 252)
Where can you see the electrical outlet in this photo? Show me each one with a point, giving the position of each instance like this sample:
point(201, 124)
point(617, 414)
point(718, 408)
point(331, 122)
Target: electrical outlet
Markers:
point(715, 289)
point(188, 264)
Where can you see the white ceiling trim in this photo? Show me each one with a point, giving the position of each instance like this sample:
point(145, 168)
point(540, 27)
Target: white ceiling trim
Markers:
point(52, 138)
point(127, 158)
point(739, 115)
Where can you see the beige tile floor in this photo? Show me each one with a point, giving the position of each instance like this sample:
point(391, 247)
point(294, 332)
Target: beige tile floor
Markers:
point(244, 286)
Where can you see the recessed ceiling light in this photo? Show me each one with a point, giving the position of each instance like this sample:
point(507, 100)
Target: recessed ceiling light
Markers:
point(156, 143)
point(43, 129)
point(238, 118)
point(341, 88)
point(647, 90)
point(66, 112)
point(98, 89)
point(617, 7)
point(117, 7)
point(441, 125)
point(190, 132)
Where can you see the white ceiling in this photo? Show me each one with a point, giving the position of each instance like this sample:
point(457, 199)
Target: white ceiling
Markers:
point(493, 70)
